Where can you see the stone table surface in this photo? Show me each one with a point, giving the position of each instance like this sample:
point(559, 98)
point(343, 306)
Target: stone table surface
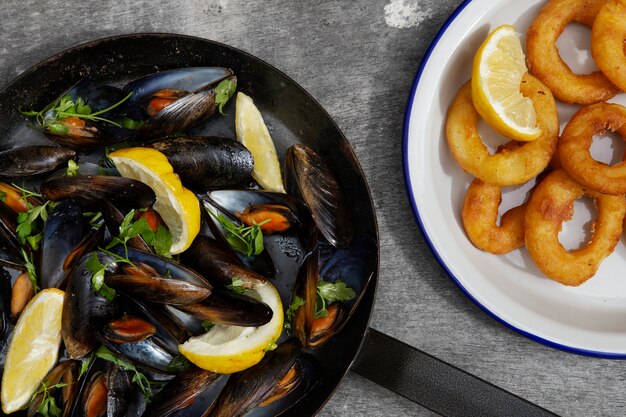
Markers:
point(358, 59)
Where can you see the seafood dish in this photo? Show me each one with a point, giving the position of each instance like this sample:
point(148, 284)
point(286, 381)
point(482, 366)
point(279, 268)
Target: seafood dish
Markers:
point(559, 164)
point(166, 271)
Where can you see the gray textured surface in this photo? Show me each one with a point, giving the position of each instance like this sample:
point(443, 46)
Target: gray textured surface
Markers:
point(360, 69)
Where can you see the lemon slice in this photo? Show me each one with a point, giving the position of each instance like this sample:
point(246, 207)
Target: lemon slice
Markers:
point(497, 73)
point(253, 134)
point(228, 349)
point(33, 350)
point(178, 207)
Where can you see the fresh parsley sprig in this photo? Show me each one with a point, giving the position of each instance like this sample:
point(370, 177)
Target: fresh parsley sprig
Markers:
point(327, 293)
point(72, 169)
point(66, 107)
point(223, 92)
point(236, 286)
point(48, 406)
point(244, 239)
point(138, 378)
point(160, 241)
point(97, 270)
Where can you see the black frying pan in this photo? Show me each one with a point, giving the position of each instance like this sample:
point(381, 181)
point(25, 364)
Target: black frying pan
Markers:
point(293, 116)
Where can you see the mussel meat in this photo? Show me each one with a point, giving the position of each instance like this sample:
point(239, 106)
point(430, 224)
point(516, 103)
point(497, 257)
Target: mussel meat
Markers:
point(62, 385)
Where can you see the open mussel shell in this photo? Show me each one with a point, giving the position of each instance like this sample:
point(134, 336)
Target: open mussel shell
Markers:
point(183, 390)
point(246, 389)
point(90, 191)
point(165, 267)
point(107, 390)
point(65, 375)
point(27, 161)
point(85, 135)
point(113, 218)
point(308, 176)
point(186, 79)
point(262, 263)
point(193, 98)
point(203, 162)
point(158, 290)
point(84, 309)
point(64, 230)
point(354, 265)
point(228, 308)
point(218, 264)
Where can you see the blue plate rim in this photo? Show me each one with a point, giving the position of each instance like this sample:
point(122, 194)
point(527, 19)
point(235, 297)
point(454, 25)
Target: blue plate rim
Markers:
point(418, 219)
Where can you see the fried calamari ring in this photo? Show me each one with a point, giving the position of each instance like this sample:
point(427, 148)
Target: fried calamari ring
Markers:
point(550, 205)
point(480, 214)
point(508, 167)
point(576, 139)
point(607, 41)
point(544, 60)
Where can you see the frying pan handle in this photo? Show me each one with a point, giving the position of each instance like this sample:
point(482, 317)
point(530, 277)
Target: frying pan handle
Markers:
point(435, 384)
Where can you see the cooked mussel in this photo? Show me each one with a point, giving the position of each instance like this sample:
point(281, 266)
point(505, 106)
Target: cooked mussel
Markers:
point(246, 389)
point(128, 329)
point(84, 309)
point(354, 266)
point(226, 307)
point(216, 263)
point(308, 176)
point(203, 162)
point(27, 161)
point(90, 191)
point(5, 302)
point(61, 384)
point(157, 289)
point(182, 391)
point(64, 230)
point(175, 100)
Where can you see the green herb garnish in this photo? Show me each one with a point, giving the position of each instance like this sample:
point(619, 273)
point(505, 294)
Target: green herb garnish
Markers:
point(244, 239)
point(330, 292)
point(161, 241)
point(97, 270)
point(178, 364)
point(48, 406)
point(223, 92)
point(138, 378)
point(237, 286)
point(72, 169)
point(296, 303)
point(65, 107)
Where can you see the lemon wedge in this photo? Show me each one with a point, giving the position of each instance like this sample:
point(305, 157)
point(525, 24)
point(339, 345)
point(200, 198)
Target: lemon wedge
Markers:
point(178, 207)
point(497, 73)
point(253, 134)
point(229, 349)
point(34, 349)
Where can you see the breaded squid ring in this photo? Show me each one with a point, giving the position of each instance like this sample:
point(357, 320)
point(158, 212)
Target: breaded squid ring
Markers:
point(549, 206)
point(510, 166)
point(576, 139)
point(480, 214)
point(607, 41)
point(545, 63)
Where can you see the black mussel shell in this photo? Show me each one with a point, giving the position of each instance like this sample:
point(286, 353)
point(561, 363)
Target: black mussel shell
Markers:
point(9, 243)
point(308, 176)
point(226, 307)
point(85, 309)
point(203, 162)
point(246, 389)
point(65, 375)
point(182, 391)
point(158, 290)
point(5, 303)
point(85, 135)
point(219, 265)
point(64, 230)
point(27, 161)
point(90, 191)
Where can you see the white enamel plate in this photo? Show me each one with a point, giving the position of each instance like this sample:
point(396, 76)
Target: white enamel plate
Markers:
point(590, 319)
